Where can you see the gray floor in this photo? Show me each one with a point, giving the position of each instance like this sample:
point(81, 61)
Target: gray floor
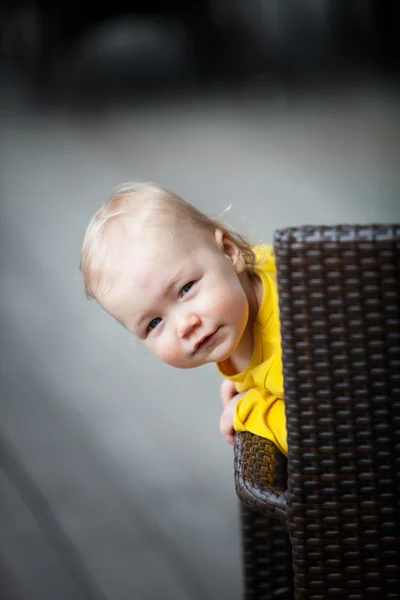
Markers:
point(115, 482)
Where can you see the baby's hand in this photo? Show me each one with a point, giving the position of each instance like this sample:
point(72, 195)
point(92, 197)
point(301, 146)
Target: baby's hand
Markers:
point(227, 392)
point(229, 399)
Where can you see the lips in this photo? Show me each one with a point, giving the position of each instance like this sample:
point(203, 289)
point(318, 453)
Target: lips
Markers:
point(207, 340)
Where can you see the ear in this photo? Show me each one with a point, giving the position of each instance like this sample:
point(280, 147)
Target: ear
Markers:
point(231, 250)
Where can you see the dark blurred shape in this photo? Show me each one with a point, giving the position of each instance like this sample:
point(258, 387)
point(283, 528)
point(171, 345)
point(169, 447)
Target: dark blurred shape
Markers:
point(386, 17)
point(70, 45)
point(151, 45)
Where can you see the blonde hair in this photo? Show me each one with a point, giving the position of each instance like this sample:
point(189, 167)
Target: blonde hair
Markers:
point(122, 205)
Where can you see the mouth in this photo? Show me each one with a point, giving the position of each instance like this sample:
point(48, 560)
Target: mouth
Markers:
point(206, 341)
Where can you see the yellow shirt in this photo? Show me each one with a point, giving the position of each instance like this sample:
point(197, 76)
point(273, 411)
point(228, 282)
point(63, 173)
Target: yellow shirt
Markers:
point(261, 410)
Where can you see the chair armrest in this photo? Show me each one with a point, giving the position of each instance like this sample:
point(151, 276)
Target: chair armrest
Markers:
point(260, 475)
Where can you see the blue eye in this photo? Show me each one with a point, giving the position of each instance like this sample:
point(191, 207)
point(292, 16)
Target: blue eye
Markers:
point(153, 323)
point(186, 288)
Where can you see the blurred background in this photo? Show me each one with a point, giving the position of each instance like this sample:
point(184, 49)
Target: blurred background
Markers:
point(115, 483)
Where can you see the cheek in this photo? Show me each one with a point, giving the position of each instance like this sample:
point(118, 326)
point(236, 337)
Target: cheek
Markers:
point(166, 348)
point(232, 302)
point(168, 353)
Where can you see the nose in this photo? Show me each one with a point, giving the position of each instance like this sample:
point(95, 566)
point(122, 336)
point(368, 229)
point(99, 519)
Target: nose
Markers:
point(187, 324)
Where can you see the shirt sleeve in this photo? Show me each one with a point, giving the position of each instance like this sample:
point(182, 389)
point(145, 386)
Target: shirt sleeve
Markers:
point(263, 414)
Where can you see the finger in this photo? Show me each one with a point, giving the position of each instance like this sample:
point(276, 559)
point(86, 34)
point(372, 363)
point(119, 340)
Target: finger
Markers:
point(228, 391)
point(230, 438)
point(226, 427)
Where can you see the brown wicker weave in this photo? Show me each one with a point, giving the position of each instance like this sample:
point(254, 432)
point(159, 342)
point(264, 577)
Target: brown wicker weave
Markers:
point(267, 552)
point(339, 294)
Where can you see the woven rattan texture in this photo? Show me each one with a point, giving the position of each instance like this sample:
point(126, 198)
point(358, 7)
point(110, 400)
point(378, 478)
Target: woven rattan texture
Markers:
point(267, 552)
point(340, 321)
point(267, 558)
point(259, 467)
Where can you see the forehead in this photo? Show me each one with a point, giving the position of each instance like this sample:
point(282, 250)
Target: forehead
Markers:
point(157, 255)
point(163, 245)
point(147, 263)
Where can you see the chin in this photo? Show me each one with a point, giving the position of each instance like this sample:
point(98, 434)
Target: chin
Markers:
point(221, 357)
point(178, 365)
point(228, 351)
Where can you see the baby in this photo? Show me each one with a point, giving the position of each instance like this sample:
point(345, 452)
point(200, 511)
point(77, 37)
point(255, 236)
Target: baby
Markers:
point(194, 292)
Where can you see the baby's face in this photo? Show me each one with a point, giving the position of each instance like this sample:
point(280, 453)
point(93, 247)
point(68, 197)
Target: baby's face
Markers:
point(181, 294)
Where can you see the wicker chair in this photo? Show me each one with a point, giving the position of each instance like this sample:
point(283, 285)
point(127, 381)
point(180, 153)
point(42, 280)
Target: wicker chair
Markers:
point(334, 530)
